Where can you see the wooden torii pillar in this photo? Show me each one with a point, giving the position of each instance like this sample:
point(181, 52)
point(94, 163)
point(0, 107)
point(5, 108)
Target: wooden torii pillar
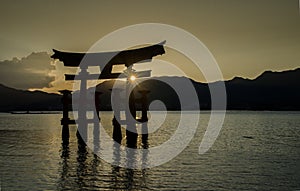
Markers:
point(65, 121)
point(117, 133)
point(127, 58)
point(144, 102)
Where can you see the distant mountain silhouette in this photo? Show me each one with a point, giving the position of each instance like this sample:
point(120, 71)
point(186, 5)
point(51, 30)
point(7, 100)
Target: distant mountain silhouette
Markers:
point(269, 91)
point(20, 100)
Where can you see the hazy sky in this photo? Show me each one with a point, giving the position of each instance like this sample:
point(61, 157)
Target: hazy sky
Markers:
point(245, 37)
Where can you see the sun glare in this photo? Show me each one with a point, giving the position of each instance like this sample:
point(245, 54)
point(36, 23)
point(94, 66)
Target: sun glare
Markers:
point(132, 78)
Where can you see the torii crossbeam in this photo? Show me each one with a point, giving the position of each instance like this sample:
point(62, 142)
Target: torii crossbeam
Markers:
point(106, 60)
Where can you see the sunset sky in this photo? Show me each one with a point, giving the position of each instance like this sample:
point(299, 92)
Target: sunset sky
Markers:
point(245, 37)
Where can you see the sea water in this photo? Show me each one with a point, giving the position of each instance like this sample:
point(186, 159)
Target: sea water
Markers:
point(254, 151)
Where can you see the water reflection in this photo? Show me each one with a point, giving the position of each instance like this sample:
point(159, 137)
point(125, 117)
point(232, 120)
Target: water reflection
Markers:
point(65, 135)
point(34, 157)
point(96, 138)
point(115, 169)
point(145, 146)
point(81, 162)
point(81, 169)
point(65, 153)
point(145, 143)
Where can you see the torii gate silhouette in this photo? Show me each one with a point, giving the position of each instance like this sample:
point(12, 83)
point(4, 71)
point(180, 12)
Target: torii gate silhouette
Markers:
point(106, 61)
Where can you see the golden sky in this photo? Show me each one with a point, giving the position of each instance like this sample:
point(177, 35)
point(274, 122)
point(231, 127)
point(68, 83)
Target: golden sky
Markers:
point(245, 37)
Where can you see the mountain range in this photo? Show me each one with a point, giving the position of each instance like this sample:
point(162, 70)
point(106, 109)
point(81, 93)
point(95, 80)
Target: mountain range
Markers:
point(269, 91)
point(22, 100)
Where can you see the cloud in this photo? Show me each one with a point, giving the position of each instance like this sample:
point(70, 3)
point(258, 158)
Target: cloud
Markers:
point(33, 71)
point(58, 82)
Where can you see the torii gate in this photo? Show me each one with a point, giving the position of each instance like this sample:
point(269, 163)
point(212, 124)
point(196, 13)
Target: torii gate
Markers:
point(106, 61)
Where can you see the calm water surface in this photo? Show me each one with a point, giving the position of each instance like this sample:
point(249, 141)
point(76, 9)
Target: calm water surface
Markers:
point(255, 151)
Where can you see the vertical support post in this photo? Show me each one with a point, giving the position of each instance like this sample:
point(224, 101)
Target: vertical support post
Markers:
point(65, 119)
point(117, 133)
point(97, 103)
point(132, 107)
point(96, 130)
point(82, 109)
point(65, 101)
point(144, 119)
point(131, 132)
point(144, 103)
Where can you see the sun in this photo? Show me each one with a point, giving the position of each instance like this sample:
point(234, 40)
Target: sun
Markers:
point(132, 78)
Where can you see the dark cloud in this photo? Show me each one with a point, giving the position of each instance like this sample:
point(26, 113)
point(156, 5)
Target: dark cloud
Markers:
point(33, 71)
